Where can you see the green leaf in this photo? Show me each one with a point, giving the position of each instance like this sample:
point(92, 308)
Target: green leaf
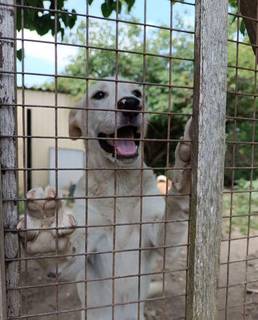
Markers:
point(73, 18)
point(90, 2)
point(242, 27)
point(19, 54)
point(116, 6)
point(130, 4)
point(62, 31)
point(68, 18)
point(59, 4)
point(44, 23)
point(106, 9)
point(233, 3)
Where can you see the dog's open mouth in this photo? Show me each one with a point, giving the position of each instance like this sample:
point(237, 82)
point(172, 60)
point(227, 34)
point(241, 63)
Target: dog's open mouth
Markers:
point(125, 146)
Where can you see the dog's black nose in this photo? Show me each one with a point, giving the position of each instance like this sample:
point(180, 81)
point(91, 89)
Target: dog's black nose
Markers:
point(131, 104)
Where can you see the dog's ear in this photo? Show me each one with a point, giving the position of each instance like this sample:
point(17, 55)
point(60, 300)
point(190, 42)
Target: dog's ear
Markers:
point(75, 131)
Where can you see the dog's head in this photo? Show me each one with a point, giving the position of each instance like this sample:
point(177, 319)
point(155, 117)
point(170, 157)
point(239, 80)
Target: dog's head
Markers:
point(112, 119)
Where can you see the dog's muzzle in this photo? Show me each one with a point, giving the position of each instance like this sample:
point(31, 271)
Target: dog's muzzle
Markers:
point(123, 144)
point(129, 106)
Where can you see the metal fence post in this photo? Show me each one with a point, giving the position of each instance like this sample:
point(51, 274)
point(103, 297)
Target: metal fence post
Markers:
point(8, 187)
point(208, 157)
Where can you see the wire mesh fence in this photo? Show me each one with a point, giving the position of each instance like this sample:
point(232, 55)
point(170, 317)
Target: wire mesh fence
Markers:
point(108, 239)
point(238, 251)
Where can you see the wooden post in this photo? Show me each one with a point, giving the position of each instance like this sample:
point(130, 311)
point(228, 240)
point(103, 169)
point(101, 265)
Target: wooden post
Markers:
point(3, 314)
point(207, 157)
point(8, 185)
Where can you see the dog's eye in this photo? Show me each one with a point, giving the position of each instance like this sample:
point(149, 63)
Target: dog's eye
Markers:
point(99, 95)
point(137, 93)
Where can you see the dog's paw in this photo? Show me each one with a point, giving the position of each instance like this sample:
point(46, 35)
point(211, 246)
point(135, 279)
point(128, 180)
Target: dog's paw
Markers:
point(182, 174)
point(47, 224)
point(42, 204)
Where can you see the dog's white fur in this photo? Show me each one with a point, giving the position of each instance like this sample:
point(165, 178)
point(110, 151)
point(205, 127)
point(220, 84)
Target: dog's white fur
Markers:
point(101, 211)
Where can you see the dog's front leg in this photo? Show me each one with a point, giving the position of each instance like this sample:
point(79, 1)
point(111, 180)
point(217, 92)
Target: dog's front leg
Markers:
point(177, 199)
point(179, 196)
point(47, 225)
point(177, 208)
point(181, 173)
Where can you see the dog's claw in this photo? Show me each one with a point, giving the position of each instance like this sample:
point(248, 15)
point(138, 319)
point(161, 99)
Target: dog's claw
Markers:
point(69, 224)
point(46, 223)
point(28, 235)
point(42, 203)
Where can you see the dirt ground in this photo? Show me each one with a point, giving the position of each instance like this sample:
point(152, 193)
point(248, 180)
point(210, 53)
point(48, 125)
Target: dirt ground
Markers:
point(43, 300)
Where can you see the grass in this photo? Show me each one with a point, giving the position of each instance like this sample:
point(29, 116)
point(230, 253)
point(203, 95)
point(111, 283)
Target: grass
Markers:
point(244, 210)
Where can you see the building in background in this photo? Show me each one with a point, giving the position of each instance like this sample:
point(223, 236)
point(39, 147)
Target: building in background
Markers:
point(38, 128)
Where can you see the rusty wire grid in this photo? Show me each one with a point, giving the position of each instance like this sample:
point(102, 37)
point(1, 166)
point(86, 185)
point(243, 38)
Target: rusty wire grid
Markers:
point(44, 295)
point(238, 267)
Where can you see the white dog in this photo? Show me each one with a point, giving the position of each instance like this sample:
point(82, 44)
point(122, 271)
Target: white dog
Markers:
point(118, 212)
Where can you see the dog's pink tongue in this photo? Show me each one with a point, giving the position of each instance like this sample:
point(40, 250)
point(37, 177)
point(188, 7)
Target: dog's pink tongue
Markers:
point(125, 148)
